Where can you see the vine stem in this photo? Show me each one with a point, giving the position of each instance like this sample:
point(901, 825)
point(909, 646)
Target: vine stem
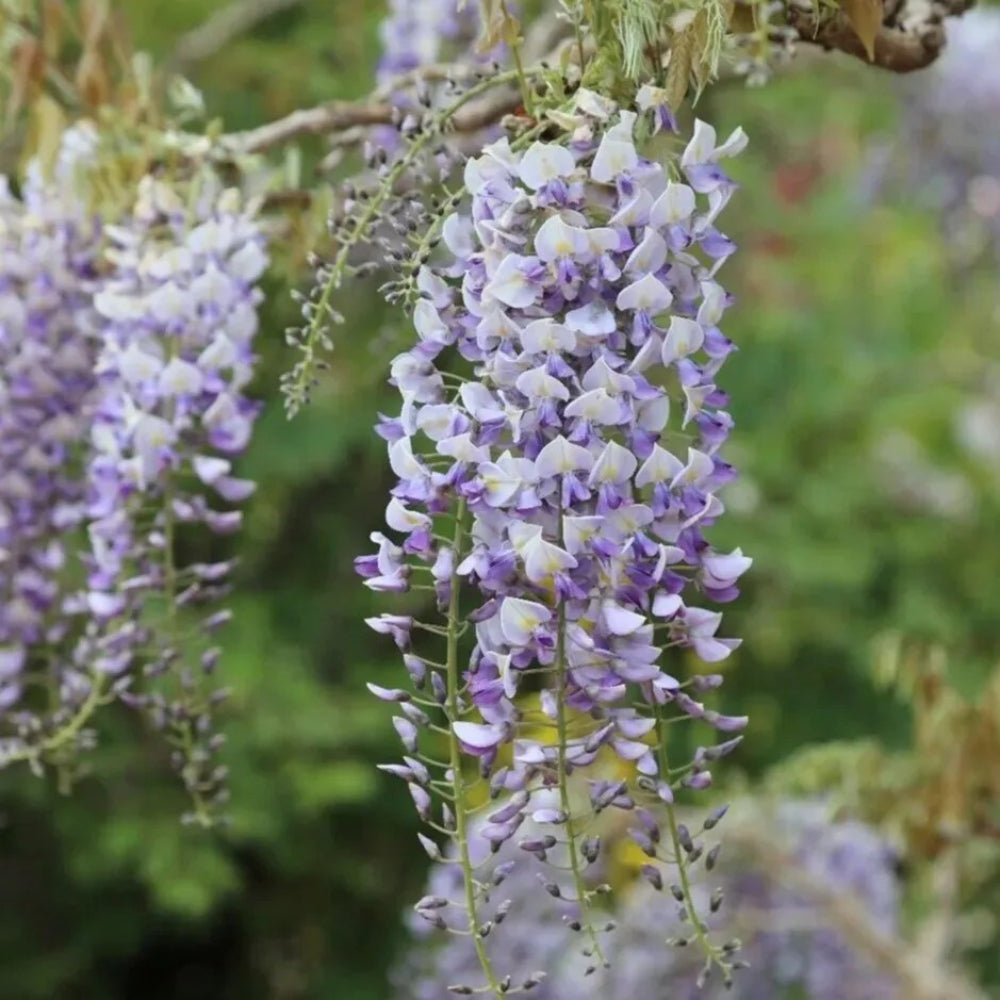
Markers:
point(65, 734)
point(515, 50)
point(709, 949)
point(458, 785)
point(184, 737)
point(170, 577)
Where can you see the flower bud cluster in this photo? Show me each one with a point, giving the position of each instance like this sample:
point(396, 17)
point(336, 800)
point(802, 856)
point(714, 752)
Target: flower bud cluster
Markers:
point(578, 456)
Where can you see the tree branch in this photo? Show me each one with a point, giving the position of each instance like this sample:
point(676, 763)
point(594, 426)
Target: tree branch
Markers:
point(334, 116)
point(340, 116)
point(224, 26)
point(911, 37)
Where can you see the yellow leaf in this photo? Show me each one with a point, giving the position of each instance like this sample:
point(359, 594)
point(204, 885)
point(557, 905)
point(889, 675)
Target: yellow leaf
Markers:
point(46, 129)
point(865, 17)
point(679, 70)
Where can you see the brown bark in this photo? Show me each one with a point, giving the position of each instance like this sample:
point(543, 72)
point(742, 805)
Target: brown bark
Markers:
point(911, 37)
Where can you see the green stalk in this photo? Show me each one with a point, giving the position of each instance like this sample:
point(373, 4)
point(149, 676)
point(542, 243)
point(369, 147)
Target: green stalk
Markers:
point(709, 949)
point(454, 683)
point(564, 800)
point(58, 739)
point(562, 677)
point(512, 39)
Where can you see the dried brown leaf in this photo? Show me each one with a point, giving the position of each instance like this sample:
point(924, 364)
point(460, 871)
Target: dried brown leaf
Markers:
point(679, 70)
point(865, 17)
point(93, 21)
point(45, 133)
point(742, 20)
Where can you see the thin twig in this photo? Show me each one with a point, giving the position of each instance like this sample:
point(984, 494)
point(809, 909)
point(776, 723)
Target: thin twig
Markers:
point(224, 26)
point(339, 116)
point(905, 44)
point(336, 116)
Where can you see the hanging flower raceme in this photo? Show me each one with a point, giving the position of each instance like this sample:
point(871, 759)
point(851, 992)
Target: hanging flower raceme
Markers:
point(179, 314)
point(576, 468)
point(125, 352)
point(49, 337)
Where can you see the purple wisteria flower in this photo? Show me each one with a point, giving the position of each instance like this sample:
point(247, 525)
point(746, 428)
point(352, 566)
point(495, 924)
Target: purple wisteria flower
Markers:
point(180, 314)
point(793, 945)
point(528, 936)
point(568, 474)
point(49, 338)
point(414, 33)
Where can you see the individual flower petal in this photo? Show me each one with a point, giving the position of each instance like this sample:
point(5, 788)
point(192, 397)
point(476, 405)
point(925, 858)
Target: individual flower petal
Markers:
point(520, 618)
point(684, 337)
point(510, 285)
point(559, 458)
point(544, 162)
point(614, 465)
point(647, 293)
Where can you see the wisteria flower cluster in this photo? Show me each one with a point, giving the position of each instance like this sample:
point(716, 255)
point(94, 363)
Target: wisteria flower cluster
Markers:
point(180, 313)
point(792, 941)
point(127, 348)
point(49, 338)
point(567, 481)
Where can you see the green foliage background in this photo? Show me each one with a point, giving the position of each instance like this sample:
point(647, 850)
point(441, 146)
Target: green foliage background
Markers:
point(858, 333)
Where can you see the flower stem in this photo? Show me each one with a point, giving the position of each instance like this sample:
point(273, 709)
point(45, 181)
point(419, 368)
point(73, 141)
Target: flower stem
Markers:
point(183, 729)
point(564, 799)
point(711, 952)
point(454, 683)
point(60, 737)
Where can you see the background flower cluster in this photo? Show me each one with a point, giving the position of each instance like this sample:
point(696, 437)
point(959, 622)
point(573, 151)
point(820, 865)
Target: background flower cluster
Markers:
point(126, 351)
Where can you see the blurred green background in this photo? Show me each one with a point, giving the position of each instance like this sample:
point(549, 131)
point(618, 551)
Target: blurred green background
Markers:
point(863, 343)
